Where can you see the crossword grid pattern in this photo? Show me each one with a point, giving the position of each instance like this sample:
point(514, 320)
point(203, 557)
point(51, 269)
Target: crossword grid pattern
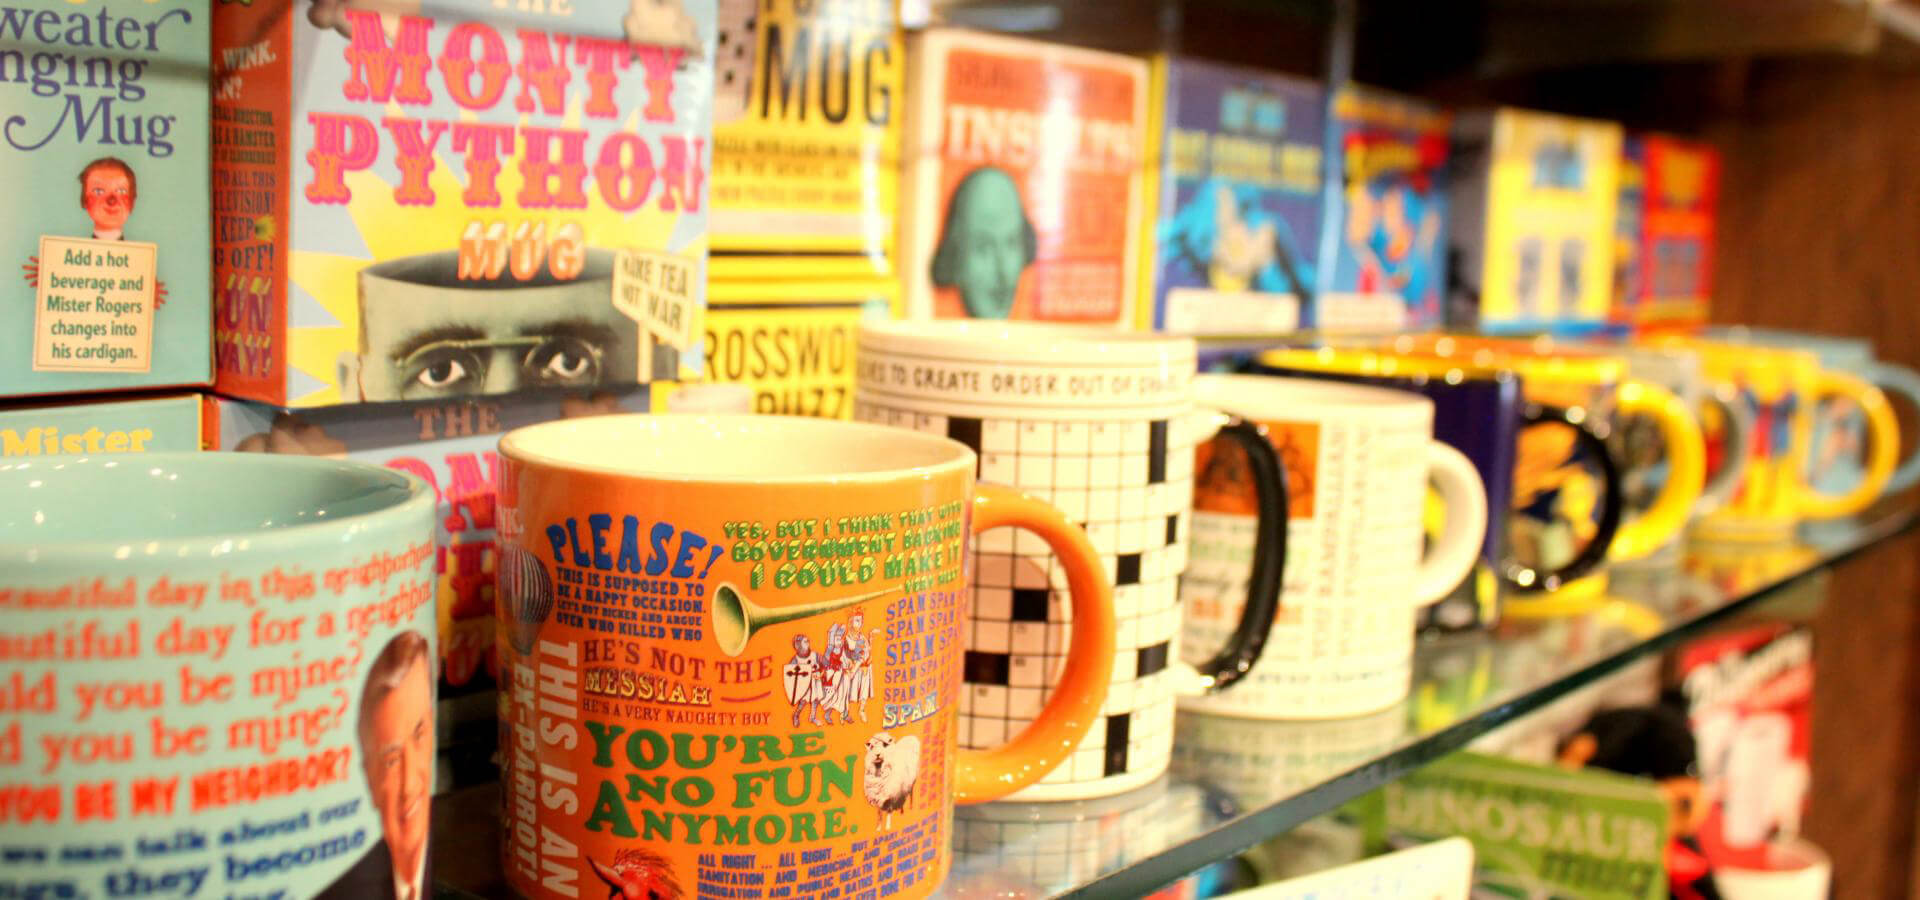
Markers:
point(1130, 485)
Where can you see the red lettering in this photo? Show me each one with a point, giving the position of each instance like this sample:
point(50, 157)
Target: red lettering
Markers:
point(341, 144)
point(483, 145)
point(458, 68)
point(602, 58)
point(659, 63)
point(547, 182)
point(371, 63)
point(539, 72)
point(414, 156)
point(624, 171)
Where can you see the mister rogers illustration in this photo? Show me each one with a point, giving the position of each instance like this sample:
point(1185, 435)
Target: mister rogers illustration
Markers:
point(396, 755)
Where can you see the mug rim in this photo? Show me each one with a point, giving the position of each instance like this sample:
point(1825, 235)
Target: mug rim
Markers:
point(768, 430)
point(1313, 395)
point(997, 342)
point(1374, 363)
point(415, 499)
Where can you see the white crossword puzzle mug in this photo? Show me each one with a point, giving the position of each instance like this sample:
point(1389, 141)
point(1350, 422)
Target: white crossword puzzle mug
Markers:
point(1361, 459)
point(1103, 425)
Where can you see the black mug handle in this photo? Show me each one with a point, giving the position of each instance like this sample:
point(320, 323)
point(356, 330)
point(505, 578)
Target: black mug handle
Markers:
point(1249, 636)
point(1612, 499)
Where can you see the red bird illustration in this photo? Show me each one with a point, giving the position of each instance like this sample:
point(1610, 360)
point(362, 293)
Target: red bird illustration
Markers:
point(637, 874)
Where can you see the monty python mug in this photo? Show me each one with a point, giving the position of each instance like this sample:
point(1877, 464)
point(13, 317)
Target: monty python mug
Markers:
point(1103, 425)
point(743, 636)
point(1780, 389)
point(227, 659)
point(1361, 459)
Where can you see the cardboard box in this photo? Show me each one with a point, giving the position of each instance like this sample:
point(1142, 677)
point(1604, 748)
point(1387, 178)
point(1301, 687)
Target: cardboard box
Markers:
point(1663, 255)
point(1536, 830)
point(1024, 181)
point(1532, 223)
point(793, 342)
point(808, 99)
point(1389, 269)
point(462, 199)
point(103, 162)
point(165, 424)
point(1235, 221)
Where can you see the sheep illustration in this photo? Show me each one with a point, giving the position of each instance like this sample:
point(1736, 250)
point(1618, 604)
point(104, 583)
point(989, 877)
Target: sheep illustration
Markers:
point(892, 766)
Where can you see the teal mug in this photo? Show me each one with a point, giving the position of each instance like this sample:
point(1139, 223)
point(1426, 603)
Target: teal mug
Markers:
point(217, 674)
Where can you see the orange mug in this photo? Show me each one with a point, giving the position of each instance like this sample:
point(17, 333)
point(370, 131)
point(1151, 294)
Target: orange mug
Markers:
point(732, 649)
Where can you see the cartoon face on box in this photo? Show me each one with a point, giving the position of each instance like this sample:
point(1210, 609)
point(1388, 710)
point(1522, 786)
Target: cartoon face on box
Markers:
point(425, 200)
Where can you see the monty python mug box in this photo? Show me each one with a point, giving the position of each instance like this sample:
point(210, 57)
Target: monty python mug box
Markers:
point(435, 199)
point(1236, 170)
point(103, 158)
point(451, 447)
point(1023, 187)
point(808, 101)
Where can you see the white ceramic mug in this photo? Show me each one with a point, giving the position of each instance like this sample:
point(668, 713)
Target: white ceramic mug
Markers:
point(1101, 424)
point(1361, 459)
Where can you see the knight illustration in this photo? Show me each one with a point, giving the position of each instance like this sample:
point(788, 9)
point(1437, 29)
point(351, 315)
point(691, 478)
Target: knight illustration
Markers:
point(802, 679)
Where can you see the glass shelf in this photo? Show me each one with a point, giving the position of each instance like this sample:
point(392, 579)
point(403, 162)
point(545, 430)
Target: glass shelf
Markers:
point(1237, 782)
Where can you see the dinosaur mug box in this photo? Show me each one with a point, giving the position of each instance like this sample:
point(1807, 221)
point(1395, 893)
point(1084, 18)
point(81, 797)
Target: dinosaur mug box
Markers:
point(103, 164)
point(437, 199)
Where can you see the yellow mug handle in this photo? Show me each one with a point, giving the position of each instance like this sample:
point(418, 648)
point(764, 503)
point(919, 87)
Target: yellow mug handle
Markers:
point(1883, 449)
point(1046, 742)
point(1673, 507)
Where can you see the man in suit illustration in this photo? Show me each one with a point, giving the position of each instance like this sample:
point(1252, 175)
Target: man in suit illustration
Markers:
point(396, 755)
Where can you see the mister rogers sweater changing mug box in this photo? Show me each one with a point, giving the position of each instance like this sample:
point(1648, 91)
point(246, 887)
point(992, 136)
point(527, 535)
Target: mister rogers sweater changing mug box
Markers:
point(103, 158)
point(437, 199)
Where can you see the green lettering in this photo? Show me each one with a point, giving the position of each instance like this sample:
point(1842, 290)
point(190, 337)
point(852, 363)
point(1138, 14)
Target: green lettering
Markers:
point(731, 831)
point(640, 743)
point(655, 787)
point(608, 810)
point(836, 823)
point(693, 791)
point(770, 829)
point(813, 743)
point(803, 828)
point(683, 751)
point(760, 746)
point(841, 776)
point(656, 823)
point(746, 786)
point(783, 793)
point(603, 737)
point(693, 823)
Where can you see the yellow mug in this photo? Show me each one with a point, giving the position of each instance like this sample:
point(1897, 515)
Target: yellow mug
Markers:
point(1780, 388)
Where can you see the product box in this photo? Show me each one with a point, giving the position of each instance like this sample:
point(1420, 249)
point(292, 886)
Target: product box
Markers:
point(452, 445)
point(1537, 831)
point(793, 342)
point(808, 99)
point(168, 424)
point(1388, 228)
point(1749, 698)
point(1532, 224)
point(1663, 252)
point(461, 199)
point(103, 164)
point(1024, 180)
point(1234, 199)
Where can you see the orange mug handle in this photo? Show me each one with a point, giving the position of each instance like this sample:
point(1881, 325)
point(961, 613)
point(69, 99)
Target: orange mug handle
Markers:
point(983, 775)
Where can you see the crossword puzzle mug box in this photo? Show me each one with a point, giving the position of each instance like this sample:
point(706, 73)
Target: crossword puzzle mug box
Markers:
point(103, 160)
point(443, 199)
point(731, 650)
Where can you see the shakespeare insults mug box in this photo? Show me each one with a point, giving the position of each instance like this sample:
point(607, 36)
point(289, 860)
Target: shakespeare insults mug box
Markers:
point(731, 649)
